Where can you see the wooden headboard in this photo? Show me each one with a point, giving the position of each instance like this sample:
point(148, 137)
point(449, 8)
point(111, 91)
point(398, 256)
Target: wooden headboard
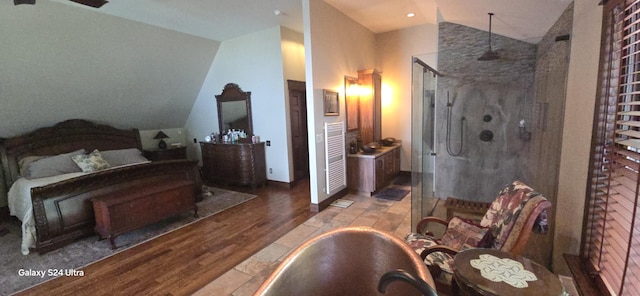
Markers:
point(66, 136)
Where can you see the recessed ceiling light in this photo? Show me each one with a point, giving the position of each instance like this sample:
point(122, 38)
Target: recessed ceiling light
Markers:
point(411, 14)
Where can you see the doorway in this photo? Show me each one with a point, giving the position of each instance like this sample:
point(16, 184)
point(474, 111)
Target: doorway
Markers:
point(299, 133)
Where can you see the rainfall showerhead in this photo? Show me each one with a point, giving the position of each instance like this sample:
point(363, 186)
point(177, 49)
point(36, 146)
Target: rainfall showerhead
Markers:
point(490, 55)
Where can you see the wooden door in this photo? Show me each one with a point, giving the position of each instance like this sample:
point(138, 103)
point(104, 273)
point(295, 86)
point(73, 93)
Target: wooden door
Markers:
point(299, 133)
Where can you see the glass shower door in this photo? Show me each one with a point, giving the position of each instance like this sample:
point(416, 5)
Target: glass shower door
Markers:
point(423, 90)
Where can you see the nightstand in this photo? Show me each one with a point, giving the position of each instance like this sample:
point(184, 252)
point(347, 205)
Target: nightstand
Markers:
point(165, 154)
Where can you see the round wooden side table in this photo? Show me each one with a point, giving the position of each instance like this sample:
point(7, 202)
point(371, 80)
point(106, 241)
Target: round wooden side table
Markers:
point(471, 281)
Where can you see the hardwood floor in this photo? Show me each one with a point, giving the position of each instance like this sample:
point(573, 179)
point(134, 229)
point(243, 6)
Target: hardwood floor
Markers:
point(185, 260)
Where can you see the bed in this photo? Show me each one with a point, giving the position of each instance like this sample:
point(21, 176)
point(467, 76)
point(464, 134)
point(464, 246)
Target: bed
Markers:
point(53, 199)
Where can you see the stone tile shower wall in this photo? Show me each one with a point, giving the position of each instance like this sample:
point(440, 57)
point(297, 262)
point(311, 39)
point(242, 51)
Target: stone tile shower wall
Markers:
point(492, 96)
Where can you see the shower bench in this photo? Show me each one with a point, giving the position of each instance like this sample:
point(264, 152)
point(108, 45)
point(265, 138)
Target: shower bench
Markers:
point(474, 210)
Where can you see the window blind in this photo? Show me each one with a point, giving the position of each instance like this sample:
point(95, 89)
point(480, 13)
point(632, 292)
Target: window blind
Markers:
point(611, 233)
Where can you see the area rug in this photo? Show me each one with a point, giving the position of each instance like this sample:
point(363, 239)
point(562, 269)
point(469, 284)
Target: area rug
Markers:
point(17, 270)
point(392, 193)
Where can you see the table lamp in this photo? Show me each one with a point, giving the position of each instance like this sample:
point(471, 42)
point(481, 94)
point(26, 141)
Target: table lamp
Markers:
point(160, 135)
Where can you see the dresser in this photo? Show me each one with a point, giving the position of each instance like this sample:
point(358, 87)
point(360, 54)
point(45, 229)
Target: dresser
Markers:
point(234, 163)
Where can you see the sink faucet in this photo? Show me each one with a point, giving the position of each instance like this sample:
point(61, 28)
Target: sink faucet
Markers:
point(400, 274)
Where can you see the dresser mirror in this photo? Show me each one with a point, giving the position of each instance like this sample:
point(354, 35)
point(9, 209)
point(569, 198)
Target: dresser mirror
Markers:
point(234, 109)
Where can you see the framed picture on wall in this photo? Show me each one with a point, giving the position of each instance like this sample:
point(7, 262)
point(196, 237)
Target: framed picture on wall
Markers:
point(331, 103)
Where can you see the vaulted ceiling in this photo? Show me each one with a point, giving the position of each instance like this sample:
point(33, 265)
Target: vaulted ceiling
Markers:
point(224, 19)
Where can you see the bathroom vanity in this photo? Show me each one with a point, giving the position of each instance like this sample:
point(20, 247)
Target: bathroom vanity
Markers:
point(369, 172)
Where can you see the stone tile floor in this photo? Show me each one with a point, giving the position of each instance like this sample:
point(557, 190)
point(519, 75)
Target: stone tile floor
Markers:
point(390, 216)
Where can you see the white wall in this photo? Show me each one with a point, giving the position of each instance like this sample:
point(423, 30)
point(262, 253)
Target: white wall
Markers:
point(335, 46)
point(59, 62)
point(293, 54)
point(576, 138)
point(254, 62)
point(176, 135)
point(394, 53)
point(294, 69)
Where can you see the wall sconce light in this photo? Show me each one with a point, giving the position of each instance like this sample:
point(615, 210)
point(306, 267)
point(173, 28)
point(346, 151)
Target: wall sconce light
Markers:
point(352, 102)
point(386, 96)
point(524, 134)
point(353, 90)
point(160, 135)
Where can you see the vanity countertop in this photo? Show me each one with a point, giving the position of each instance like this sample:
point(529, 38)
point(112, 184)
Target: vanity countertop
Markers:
point(379, 152)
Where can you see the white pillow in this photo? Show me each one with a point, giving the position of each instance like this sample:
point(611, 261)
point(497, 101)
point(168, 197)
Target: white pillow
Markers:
point(123, 156)
point(52, 166)
point(26, 162)
point(91, 162)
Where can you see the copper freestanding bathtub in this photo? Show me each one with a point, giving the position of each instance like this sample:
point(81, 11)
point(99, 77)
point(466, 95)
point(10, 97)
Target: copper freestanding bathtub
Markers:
point(350, 261)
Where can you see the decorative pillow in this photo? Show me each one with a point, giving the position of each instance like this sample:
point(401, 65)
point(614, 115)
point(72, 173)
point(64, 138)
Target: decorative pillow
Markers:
point(123, 156)
point(51, 166)
point(91, 162)
point(463, 234)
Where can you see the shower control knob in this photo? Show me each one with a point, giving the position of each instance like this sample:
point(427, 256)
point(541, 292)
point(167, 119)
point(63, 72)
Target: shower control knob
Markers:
point(486, 135)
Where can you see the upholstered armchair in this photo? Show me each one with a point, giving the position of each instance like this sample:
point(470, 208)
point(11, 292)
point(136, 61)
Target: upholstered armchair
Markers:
point(507, 225)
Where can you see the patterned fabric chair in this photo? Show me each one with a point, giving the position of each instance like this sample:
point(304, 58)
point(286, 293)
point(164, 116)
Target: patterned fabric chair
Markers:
point(512, 216)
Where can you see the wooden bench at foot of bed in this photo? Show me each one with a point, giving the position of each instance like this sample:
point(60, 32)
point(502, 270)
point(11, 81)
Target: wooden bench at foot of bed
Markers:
point(121, 211)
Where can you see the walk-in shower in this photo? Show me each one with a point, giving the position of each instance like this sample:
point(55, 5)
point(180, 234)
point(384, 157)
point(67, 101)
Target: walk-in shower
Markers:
point(513, 110)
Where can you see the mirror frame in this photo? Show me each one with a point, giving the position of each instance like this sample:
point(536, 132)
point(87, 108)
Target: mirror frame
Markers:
point(233, 92)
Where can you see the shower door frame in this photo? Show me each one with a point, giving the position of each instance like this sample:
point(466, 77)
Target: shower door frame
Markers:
point(423, 152)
